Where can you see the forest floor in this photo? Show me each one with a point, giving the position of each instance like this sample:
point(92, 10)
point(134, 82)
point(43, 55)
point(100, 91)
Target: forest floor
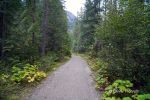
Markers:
point(72, 81)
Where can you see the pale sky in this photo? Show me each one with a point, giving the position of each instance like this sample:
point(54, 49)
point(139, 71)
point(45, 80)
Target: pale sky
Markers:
point(74, 6)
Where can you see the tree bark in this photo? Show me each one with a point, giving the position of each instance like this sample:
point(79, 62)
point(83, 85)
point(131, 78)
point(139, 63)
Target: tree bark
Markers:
point(33, 19)
point(105, 7)
point(1, 33)
point(44, 27)
point(115, 4)
point(1, 29)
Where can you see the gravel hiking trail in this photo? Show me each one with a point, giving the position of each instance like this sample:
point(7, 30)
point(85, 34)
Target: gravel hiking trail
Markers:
point(72, 81)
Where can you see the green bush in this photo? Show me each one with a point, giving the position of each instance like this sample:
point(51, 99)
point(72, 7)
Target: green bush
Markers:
point(101, 82)
point(124, 41)
point(48, 61)
point(100, 67)
point(119, 89)
point(143, 97)
point(29, 73)
point(6, 86)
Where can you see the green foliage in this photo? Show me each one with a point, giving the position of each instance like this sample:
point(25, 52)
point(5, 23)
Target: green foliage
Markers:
point(116, 32)
point(6, 86)
point(119, 89)
point(47, 62)
point(126, 98)
point(112, 98)
point(143, 97)
point(100, 68)
point(21, 39)
point(4, 78)
point(121, 39)
point(85, 26)
point(124, 43)
point(101, 82)
point(29, 73)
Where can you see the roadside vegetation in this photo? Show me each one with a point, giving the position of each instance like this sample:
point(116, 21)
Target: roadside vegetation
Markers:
point(33, 41)
point(115, 35)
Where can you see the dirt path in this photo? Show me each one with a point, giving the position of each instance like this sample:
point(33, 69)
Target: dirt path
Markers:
point(71, 81)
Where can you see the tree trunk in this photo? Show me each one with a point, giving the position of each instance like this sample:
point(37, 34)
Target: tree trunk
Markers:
point(105, 7)
point(115, 4)
point(33, 19)
point(1, 33)
point(44, 27)
point(1, 29)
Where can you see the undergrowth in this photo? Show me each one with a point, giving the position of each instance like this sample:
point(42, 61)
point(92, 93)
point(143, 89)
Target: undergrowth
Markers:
point(16, 83)
point(117, 90)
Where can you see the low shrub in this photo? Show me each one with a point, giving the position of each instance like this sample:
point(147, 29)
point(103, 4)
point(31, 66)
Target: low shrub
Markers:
point(122, 90)
point(29, 73)
point(119, 89)
point(100, 69)
point(143, 97)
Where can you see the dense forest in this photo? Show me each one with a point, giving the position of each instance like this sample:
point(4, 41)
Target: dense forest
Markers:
point(33, 36)
point(116, 36)
point(113, 35)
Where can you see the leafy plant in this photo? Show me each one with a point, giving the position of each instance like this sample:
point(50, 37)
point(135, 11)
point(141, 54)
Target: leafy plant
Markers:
point(4, 78)
point(119, 89)
point(126, 98)
point(101, 74)
point(29, 73)
point(143, 97)
point(101, 83)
